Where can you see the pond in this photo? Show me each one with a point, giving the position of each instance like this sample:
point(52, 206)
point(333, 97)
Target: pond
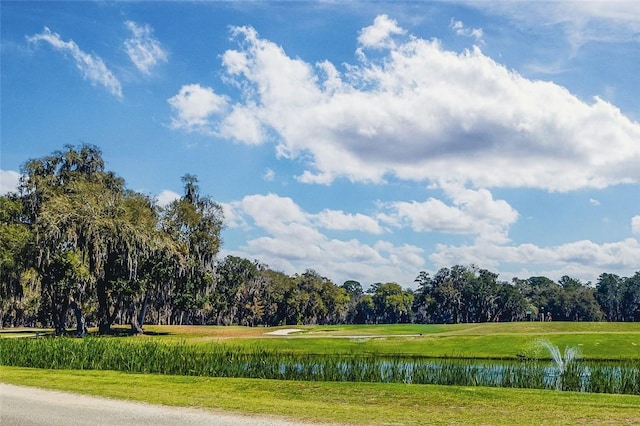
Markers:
point(609, 377)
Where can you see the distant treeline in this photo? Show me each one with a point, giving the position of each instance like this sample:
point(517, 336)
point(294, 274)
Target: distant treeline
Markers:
point(77, 248)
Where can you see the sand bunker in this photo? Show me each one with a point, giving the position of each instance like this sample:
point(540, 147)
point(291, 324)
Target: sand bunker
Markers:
point(284, 331)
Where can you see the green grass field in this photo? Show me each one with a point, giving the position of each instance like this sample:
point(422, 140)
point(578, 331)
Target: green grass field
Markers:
point(596, 341)
point(345, 403)
point(372, 403)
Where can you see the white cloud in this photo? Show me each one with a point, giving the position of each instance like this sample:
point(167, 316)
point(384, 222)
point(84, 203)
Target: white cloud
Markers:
point(166, 197)
point(92, 67)
point(460, 29)
point(583, 259)
point(594, 202)
point(193, 105)
point(233, 215)
point(473, 212)
point(581, 21)
point(379, 35)
point(144, 50)
point(269, 175)
point(339, 220)
point(635, 224)
point(294, 242)
point(243, 125)
point(9, 180)
point(423, 113)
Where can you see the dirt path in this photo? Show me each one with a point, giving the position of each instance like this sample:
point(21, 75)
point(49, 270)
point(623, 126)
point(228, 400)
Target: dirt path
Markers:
point(21, 406)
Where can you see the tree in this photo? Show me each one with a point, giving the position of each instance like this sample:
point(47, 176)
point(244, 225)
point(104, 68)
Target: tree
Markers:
point(312, 307)
point(392, 303)
point(631, 298)
point(365, 310)
point(609, 293)
point(16, 243)
point(544, 294)
point(481, 294)
point(280, 299)
point(239, 291)
point(75, 206)
point(424, 304)
point(194, 222)
point(512, 306)
point(446, 290)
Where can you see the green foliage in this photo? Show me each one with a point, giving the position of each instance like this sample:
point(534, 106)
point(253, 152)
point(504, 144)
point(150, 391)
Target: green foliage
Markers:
point(193, 223)
point(619, 297)
point(16, 244)
point(76, 236)
point(392, 304)
point(101, 244)
point(219, 360)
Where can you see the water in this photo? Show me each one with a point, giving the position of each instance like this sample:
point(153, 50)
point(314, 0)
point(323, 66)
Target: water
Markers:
point(574, 375)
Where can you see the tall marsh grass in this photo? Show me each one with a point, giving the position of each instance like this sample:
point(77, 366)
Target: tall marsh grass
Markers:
point(217, 360)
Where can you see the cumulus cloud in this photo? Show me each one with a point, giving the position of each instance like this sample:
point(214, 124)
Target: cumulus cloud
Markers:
point(243, 125)
point(339, 220)
point(91, 66)
point(473, 212)
point(166, 197)
point(144, 50)
point(9, 180)
point(380, 34)
point(193, 105)
point(423, 113)
point(291, 239)
point(294, 241)
point(583, 259)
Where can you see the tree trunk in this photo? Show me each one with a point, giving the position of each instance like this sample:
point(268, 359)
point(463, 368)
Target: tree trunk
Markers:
point(136, 319)
point(81, 328)
point(143, 310)
point(103, 306)
point(136, 328)
point(61, 323)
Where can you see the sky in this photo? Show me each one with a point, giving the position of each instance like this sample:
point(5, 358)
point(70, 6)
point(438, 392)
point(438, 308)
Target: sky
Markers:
point(364, 140)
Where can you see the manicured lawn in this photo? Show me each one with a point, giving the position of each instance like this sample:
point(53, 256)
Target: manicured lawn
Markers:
point(346, 403)
point(592, 346)
point(372, 403)
point(596, 341)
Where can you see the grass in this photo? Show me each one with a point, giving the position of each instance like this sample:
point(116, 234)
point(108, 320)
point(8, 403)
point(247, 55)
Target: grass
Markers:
point(596, 341)
point(344, 403)
point(216, 359)
point(370, 403)
point(594, 347)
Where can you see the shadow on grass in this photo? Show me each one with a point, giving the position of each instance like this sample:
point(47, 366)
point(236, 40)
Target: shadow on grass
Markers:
point(127, 332)
point(22, 332)
point(71, 332)
point(123, 331)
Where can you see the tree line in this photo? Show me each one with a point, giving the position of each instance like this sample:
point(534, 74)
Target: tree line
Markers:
point(78, 248)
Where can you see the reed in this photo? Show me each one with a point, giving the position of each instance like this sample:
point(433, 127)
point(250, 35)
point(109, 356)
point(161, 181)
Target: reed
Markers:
point(218, 360)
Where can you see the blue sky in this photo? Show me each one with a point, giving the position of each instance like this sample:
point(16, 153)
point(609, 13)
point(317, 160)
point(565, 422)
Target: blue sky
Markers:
point(365, 140)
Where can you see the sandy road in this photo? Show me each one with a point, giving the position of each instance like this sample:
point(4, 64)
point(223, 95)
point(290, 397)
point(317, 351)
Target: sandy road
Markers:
point(22, 406)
